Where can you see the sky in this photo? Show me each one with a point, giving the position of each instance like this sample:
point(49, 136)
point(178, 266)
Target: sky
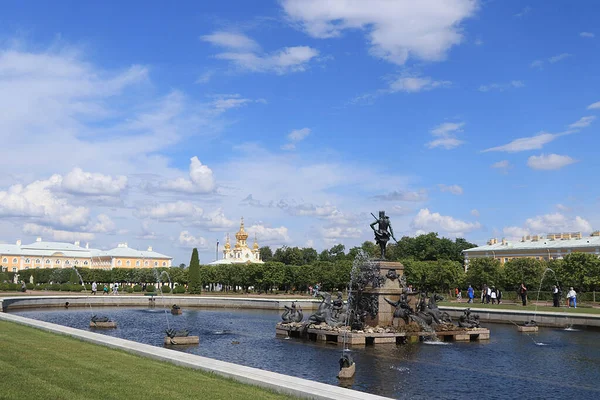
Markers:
point(163, 124)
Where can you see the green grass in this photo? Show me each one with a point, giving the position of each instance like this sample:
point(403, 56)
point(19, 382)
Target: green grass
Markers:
point(529, 307)
point(41, 365)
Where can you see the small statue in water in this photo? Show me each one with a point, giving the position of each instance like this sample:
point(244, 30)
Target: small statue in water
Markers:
point(172, 333)
point(346, 360)
point(402, 309)
point(467, 320)
point(384, 231)
point(100, 319)
point(292, 314)
point(323, 313)
point(175, 307)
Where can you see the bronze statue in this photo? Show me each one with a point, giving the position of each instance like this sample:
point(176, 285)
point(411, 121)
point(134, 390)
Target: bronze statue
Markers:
point(467, 320)
point(384, 231)
point(401, 308)
point(292, 314)
point(172, 333)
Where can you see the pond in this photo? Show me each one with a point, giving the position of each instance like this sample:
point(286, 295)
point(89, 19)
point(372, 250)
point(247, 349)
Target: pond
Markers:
point(554, 363)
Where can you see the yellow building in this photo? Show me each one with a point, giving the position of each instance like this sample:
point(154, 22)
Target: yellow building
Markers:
point(241, 253)
point(16, 257)
point(551, 247)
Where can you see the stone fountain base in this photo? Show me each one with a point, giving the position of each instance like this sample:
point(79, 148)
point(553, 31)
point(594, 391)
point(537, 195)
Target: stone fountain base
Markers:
point(176, 311)
point(108, 324)
point(181, 340)
point(527, 329)
point(348, 372)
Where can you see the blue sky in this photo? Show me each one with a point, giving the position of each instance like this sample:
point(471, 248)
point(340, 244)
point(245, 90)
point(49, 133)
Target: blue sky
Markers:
point(163, 124)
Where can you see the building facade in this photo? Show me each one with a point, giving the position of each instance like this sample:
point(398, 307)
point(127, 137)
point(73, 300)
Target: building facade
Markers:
point(553, 246)
point(17, 257)
point(241, 253)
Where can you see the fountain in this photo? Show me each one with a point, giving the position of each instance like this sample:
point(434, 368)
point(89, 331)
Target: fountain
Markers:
point(532, 326)
point(95, 321)
point(379, 310)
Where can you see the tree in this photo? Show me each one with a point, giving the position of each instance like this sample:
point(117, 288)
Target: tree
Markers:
point(523, 270)
point(266, 254)
point(580, 270)
point(195, 285)
point(337, 252)
point(484, 270)
point(309, 255)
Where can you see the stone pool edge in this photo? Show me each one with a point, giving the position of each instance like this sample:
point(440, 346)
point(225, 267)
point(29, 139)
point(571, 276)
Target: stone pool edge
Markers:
point(280, 383)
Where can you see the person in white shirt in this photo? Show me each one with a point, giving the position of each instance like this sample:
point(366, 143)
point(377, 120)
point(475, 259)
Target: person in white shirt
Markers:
point(572, 296)
point(493, 295)
point(94, 288)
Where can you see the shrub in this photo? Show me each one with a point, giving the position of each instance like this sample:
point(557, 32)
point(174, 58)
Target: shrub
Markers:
point(54, 287)
point(39, 287)
point(179, 289)
point(165, 289)
point(137, 288)
point(29, 286)
point(3, 286)
point(65, 287)
point(76, 288)
point(129, 289)
point(14, 286)
point(150, 288)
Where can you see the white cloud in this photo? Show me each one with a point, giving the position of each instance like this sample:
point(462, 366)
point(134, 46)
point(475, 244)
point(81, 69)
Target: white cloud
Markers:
point(446, 135)
point(454, 189)
point(414, 84)
point(551, 223)
point(294, 137)
point(404, 195)
point(501, 86)
point(205, 77)
point(231, 40)
point(175, 211)
point(187, 240)
point(503, 166)
point(214, 221)
point(103, 224)
point(562, 207)
point(583, 122)
point(201, 180)
point(587, 34)
point(396, 30)
point(337, 234)
point(549, 162)
point(246, 54)
point(56, 234)
point(594, 106)
point(224, 102)
point(552, 60)
point(269, 236)
point(428, 221)
point(402, 210)
point(475, 213)
point(515, 232)
point(79, 182)
point(523, 12)
point(527, 143)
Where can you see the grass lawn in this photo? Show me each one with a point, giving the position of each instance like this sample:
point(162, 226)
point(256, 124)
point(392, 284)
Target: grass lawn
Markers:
point(529, 307)
point(41, 365)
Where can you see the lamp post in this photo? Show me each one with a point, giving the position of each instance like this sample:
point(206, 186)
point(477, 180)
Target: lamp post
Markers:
point(217, 252)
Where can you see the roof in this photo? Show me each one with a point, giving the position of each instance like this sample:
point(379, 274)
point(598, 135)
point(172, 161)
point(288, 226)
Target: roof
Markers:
point(589, 241)
point(46, 249)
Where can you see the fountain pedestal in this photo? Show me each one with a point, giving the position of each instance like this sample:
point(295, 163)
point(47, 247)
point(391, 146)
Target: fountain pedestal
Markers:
point(183, 340)
point(104, 324)
point(527, 329)
point(347, 372)
point(390, 289)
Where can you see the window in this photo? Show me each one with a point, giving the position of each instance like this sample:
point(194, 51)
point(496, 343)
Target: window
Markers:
point(137, 263)
point(5, 259)
point(48, 261)
point(85, 263)
point(15, 260)
point(119, 262)
point(145, 263)
point(38, 261)
point(128, 263)
point(67, 262)
point(156, 263)
point(14, 270)
point(27, 261)
point(164, 263)
point(76, 262)
point(58, 262)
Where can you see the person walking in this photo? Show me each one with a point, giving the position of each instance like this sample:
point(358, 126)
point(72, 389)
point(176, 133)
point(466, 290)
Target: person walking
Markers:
point(471, 294)
point(458, 294)
point(488, 295)
point(483, 293)
point(493, 295)
point(523, 293)
point(555, 296)
point(499, 295)
point(572, 296)
point(94, 287)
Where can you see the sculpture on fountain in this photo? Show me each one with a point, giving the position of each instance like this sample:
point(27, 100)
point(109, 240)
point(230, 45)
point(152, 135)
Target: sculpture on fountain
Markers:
point(96, 319)
point(172, 333)
point(292, 314)
point(467, 320)
point(384, 231)
point(402, 309)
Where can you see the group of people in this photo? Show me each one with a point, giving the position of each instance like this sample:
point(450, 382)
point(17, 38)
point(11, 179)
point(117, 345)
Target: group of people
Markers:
point(493, 295)
point(114, 287)
point(488, 294)
point(314, 291)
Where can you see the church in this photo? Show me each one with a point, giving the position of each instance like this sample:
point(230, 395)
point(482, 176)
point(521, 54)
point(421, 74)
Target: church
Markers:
point(241, 253)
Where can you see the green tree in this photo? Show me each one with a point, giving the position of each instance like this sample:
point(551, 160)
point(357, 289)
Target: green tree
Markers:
point(195, 283)
point(266, 254)
point(484, 270)
point(523, 270)
point(309, 255)
point(337, 252)
point(580, 270)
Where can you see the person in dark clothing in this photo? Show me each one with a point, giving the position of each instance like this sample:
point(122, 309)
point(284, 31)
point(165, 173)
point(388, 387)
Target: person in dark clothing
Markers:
point(555, 296)
point(523, 293)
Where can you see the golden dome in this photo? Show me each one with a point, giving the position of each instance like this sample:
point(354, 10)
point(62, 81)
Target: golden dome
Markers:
point(255, 246)
point(241, 235)
point(227, 244)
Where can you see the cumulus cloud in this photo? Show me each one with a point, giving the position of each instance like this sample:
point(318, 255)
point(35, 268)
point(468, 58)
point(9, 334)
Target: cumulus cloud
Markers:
point(549, 223)
point(103, 224)
point(475, 213)
point(224, 102)
point(56, 234)
point(454, 189)
point(295, 137)
point(552, 60)
point(502, 166)
point(169, 212)
point(594, 106)
point(214, 221)
point(80, 182)
point(413, 84)
point(269, 236)
point(446, 135)
point(549, 162)
point(187, 240)
point(583, 122)
point(396, 30)
point(247, 55)
point(500, 87)
point(425, 220)
point(201, 180)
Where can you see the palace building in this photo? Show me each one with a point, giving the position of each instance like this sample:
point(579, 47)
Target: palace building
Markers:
point(551, 247)
point(16, 257)
point(240, 253)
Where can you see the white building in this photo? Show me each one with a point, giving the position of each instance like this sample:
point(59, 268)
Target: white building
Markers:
point(241, 253)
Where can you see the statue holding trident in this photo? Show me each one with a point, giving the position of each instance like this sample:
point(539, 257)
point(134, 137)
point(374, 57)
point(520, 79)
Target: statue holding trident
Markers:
point(384, 231)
